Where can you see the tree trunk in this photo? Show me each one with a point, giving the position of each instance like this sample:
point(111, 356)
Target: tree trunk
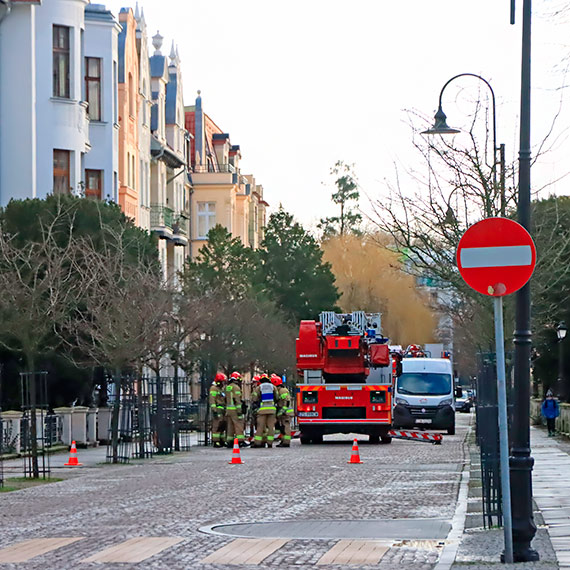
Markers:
point(115, 417)
point(33, 416)
point(175, 395)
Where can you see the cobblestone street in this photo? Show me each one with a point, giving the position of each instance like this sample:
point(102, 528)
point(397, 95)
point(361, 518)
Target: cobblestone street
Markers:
point(175, 496)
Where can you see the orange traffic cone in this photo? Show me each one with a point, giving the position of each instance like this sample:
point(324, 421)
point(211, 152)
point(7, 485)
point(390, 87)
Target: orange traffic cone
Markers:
point(73, 456)
point(355, 457)
point(236, 458)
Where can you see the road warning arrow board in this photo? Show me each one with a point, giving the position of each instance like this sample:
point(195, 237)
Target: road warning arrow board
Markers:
point(496, 256)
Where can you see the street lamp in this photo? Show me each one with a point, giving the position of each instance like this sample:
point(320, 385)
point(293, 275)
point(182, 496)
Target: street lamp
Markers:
point(561, 331)
point(5, 6)
point(440, 127)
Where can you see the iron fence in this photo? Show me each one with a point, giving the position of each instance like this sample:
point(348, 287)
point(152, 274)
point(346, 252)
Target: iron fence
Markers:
point(487, 435)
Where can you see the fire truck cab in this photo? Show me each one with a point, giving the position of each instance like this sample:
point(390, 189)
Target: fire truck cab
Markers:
point(345, 371)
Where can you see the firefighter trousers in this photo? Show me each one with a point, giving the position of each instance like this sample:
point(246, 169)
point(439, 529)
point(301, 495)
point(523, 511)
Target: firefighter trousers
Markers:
point(285, 422)
point(235, 428)
point(218, 429)
point(264, 421)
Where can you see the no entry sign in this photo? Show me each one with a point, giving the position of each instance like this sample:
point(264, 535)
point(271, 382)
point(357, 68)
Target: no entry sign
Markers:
point(496, 256)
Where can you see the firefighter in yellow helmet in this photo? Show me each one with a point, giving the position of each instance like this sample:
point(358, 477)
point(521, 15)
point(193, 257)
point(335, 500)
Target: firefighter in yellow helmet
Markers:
point(234, 410)
point(217, 401)
point(284, 410)
point(265, 395)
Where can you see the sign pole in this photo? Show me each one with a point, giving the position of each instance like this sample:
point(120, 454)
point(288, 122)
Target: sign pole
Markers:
point(503, 429)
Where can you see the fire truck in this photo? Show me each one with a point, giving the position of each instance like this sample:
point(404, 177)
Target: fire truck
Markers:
point(346, 376)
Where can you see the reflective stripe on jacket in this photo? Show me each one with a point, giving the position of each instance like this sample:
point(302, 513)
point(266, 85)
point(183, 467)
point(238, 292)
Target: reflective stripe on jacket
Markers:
point(266, 395)
point(284, 402)
point(233, 398)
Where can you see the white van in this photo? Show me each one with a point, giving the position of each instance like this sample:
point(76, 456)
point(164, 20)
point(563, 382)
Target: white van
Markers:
point(424, 395)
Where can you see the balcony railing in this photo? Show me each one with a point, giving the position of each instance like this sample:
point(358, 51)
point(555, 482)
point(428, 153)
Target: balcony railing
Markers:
point(160, 217)
point(180, 225)
point(215, 168)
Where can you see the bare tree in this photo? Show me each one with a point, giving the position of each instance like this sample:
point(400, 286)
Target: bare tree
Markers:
point(122, 305)
point(41, 284)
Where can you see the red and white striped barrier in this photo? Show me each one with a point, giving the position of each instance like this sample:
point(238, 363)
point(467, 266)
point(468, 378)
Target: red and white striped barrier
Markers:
point(435, 438)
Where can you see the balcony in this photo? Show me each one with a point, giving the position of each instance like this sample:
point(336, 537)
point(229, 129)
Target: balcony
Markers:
point(161, 220)
point(180, 231)
point(215, 168)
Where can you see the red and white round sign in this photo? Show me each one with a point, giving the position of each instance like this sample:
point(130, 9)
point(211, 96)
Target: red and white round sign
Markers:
point(496, 256)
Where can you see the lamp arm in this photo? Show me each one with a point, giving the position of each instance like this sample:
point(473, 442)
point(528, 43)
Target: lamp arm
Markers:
point(495, 148)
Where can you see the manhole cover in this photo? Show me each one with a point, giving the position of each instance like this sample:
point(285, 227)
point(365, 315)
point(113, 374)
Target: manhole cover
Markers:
point(399, 529)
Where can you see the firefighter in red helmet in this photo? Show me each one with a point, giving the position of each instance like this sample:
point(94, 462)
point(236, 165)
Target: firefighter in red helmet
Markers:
point(217, 401)
point(234, 410)
point(284, 411)
point(265, 396)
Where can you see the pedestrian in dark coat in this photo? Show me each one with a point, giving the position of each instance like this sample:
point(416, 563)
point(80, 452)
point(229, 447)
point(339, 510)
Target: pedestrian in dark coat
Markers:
point(550, 410)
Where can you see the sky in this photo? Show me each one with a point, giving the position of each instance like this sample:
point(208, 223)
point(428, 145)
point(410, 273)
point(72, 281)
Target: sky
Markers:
point(304, 83)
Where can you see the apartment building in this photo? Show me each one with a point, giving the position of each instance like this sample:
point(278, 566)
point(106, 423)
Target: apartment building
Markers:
point(101, 178)
point(44, 123)
point(221, 193)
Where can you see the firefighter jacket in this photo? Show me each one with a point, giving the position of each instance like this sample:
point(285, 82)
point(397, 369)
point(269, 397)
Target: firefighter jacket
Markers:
point(284, 407)
point(265, 395)
point(233, 399)
point(217, 399)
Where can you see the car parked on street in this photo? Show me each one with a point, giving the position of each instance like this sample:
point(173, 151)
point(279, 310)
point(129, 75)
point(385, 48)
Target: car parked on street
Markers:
point(464, 402)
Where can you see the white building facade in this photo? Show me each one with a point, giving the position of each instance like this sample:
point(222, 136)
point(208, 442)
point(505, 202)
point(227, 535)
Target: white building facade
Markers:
point(100, 93)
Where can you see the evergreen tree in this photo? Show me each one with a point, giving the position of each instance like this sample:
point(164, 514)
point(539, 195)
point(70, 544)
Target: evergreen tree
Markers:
point(224, 266)
point(292, 272)
point(347, 193)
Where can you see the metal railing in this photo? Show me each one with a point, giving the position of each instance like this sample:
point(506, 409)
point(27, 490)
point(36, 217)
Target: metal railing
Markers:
point(201, 168)
point(180, 225)
point(160, 216)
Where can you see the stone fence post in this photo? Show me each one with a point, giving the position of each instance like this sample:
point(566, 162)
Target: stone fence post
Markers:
point(65, 413)
point(12, 424)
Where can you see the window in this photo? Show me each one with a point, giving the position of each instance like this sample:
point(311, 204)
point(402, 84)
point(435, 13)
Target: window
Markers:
point(128, 170)
point(61, 183)
point(115, 94)
point(93, 187)
point(131, 96)
point(93, 87)
point(61, 61)
point(206, 218)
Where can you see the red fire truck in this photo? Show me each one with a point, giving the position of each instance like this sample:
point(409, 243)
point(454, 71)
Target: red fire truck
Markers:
point(346, 375)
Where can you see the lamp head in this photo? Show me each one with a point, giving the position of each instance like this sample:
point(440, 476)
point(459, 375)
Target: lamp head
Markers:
point(5, 6)
point(561, 330)
point(440, 126)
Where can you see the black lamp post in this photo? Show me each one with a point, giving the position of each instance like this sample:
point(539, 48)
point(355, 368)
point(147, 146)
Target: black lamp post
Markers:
point(563, 391)
point(440, 127)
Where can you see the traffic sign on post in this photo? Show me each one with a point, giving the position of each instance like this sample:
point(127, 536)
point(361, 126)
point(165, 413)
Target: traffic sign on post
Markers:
point(496, 256)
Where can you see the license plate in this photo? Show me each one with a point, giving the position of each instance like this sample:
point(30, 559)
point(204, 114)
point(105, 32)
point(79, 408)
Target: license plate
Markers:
point(308, 414)
point(423, 421)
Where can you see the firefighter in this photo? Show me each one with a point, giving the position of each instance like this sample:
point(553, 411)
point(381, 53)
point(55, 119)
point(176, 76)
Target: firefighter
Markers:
point(284, 412)
point(217, 400)
point(234, 410)
point(253, 407)
point(266, 396)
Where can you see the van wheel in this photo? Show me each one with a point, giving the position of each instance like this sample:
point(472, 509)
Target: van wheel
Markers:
point(305, 440)
point(317, 438)
point(374, 439)
point(451, 430)
point(386, 439)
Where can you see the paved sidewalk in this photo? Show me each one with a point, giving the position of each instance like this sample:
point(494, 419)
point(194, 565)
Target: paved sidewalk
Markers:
point(480, 549)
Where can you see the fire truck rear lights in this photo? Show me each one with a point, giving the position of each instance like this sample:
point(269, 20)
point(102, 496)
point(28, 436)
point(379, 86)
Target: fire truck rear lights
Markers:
point(310, 397)
point(378, 397)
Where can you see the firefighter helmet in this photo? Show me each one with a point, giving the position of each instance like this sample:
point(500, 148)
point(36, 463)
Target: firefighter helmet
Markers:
point(264, 377)
point(256, 379)
point(220, 377)
point(235, 376)
point(276, 380)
